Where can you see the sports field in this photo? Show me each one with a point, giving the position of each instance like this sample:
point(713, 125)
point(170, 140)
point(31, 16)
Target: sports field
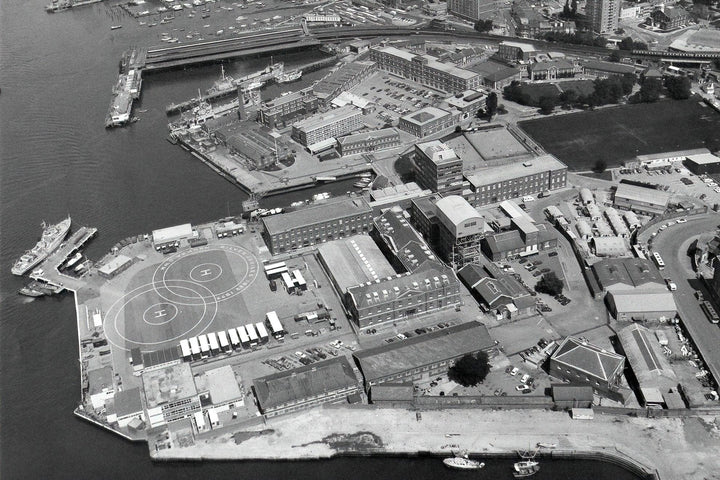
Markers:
point(620, 133)
point(192, 292)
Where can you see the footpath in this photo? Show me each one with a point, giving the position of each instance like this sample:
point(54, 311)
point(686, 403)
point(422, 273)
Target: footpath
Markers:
point(673, 448)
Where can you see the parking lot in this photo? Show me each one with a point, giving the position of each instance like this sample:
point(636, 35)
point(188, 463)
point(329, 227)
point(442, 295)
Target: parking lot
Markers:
point(683, 184)
point(393, 97)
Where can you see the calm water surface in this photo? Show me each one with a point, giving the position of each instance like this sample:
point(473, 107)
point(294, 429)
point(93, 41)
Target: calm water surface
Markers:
point(56, 72)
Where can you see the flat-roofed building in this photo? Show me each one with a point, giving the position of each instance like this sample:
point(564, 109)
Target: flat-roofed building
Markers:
point(498, 292)
point(285, 108)
point(467, 9)
point(166, 236)
point(496, 75)
point(656, 380)
point(402, 195)
point(704, 163)
point(662, 160)
point(342, 79)
point(423, 357)
point(329, 381)
point(641, 199)
point(515, 180)
point(603, 15)
point(641, 306)
point(438, 168)
point(366, 142)
point(219, 386)
point(427, 121)
point(170, 394)
point(425, 69)
point(324, 126)
point(468, 102)
point(515, 51)
point(353, 261)
point(395, 394)
point(423, 215)
point(581, 362)
point(316, 224)
point(126, 406)
point(461, 231)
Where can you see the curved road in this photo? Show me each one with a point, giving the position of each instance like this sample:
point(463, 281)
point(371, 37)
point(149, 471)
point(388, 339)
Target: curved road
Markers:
point(672, 245)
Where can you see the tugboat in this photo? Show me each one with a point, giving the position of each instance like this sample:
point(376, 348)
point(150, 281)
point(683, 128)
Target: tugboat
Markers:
point(462, 462)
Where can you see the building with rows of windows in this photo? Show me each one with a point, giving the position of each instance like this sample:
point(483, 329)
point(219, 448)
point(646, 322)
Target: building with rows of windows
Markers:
point(515, 180)
point(323, 126)
point(366, 142)
point(425, 69)
point(438, 168)
point(423, 357)
point(279, 111)
point(313, 225)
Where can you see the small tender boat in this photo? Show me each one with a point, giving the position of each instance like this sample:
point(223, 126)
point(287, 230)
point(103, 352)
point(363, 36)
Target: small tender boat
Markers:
point(525, 468)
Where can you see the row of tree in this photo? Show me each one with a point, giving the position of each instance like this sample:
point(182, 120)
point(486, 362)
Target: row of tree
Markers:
point(578, 38)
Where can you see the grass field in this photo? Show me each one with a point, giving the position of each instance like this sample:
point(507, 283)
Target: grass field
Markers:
point(620, 133)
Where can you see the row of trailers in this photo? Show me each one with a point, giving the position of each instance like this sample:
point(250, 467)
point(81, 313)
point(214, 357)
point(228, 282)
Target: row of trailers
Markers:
point(292, 282)
point(244, 336)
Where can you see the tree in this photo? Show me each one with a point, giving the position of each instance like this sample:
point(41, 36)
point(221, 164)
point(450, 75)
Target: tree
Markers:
point(573, 8)
point(614, 56)
point(470, 370)
point(566, 9)
point(650, 90)
point(547, 105)
point(483, 26)
point(569, 98)
point(550, 284)
point(626, 44)
point(678, 87)
point(600, 166)
point(491, 104)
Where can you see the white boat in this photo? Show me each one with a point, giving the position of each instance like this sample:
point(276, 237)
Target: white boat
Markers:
point(288, 77)
point(73, 260)
point(546, 445)
point(525, 468)
point(461, 461)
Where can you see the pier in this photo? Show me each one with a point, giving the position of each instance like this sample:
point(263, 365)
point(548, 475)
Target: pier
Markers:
point(48, 271)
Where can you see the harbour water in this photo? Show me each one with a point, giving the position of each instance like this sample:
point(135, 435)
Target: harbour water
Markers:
point(56, 157)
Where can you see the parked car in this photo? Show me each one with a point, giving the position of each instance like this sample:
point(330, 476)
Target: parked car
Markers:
point(524, 379)
point(521, 387)
point(514, 371)
point(553, 254)
point(537, 273)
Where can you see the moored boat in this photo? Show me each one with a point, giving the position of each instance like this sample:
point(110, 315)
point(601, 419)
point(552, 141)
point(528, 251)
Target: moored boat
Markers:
point(52, 237)
point(463, 463)
point(525, 468)
point(29, 292)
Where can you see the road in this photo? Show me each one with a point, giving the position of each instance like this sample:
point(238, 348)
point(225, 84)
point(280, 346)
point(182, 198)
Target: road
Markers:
point(672, 245)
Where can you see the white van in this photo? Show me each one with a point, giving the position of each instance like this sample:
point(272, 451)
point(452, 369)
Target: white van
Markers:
point(528, 198)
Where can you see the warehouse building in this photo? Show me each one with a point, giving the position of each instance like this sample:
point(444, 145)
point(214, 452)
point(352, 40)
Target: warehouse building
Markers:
point(628, 274)
point(324, 126)
point(498, 292)
point(353, 261)
point(515, 51)
point(424, 69)
point(610, 246)
point(641, 199)
point(572, 395)
point(515, 180)
point(642, 306)
point(654, 378)
point(423, 357)
point(329, 381)
point(583, 363)
point(316, 224)
point(171, 235)
point(430, 288)
point(468, 102)
point(342, 79)
point(402, 195)
point(115, 266)
point(703, 164)
point(461, 231)
point(392, 394)
point(427, 121)
point(438, 168)
point(496, 75)
point(219, 387)
point(125, 407)
point(366, 142)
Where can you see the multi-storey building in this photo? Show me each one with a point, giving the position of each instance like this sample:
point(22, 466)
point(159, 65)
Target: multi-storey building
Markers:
point(281, 110)
point(467, 9)
point(581, 362)
point(366, 142)
point(669, 18)
point(461, 231)
point(323, 126)
point(551, 70)
point(423, 215)
point(515, 51)
point(316, 224)
point(438, 168)
point(603, 15)
point(430, 288)
point(425, 69)
point(427, 121)
point(521, 239)
point(515, 180)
